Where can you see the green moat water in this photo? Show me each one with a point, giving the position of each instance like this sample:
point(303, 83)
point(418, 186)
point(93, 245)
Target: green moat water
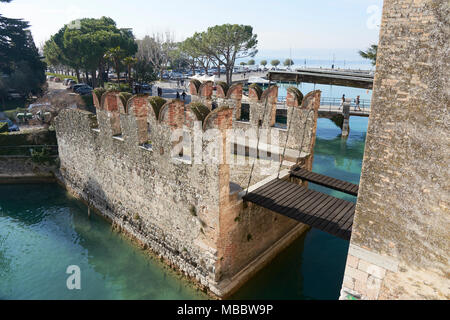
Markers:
point(43, 231)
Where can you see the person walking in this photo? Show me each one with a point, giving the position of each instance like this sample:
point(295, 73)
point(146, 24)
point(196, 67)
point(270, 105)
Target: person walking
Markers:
point(342, 102)
point(178, 95)
point(357, 102)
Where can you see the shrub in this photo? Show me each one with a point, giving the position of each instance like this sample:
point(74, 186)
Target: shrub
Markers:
point(157, 103)
point(257, 88)
point(42, 155)
point(201, 111)
point(124, 97)
point(87, 100)
point(99, 93)
point(196, 83)
point(121, 87)
point(297, 94)
point(224, 86)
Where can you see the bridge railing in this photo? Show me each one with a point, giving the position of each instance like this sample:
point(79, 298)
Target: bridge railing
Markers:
point(327, 102)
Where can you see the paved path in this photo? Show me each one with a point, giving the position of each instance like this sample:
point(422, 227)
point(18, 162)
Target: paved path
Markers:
point(170, 90)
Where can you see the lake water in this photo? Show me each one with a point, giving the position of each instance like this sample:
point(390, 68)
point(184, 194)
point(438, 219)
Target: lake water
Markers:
point(43, 231)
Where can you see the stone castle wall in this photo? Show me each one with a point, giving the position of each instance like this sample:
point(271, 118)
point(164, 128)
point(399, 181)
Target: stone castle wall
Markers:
point(125, 162)
point(400, 240)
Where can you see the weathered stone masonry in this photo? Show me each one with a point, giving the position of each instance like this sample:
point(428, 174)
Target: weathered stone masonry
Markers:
point(122, 161)
point(400, 241)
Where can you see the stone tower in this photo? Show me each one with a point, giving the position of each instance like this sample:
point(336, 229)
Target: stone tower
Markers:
point(400, 241)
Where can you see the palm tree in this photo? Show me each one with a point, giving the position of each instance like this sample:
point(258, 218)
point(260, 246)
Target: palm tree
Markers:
point(370, 54)
point(116, 55)
point(129, 62)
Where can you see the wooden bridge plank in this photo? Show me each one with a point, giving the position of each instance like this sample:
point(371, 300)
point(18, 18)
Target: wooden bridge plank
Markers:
point(287, 202)
point(263, 191)
point(336, 222)
point(310, 207)
point(345, 232)
point(283, 192)
point(307, 217)
point(313, 198)
point(326, 181)
point(347, 225)
point(319, 219)
point(302, 196)
point(337, 229)
point(305, 199)
point(282, 187)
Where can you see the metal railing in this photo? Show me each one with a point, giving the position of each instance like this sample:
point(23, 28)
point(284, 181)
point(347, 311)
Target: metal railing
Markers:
point(327, 102)
point(363, 103)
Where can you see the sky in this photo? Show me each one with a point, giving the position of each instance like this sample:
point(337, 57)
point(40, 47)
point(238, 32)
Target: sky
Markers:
point(287, 28)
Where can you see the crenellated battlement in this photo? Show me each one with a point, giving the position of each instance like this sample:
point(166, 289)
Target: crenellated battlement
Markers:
point(150, 121)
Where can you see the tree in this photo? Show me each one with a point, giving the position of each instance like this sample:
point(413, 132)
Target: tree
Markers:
point(251, 62)
point(84, 48)
point(263, 63)
point(370, 54)
point(129, 63)
point(116, 55)
point(198, 57)
point(227, 42)
point(275, 62)
point(288, 62)
point(243, 63)
point(21, 68)
point(157, 49)
point(143, 71)
point(178, 58)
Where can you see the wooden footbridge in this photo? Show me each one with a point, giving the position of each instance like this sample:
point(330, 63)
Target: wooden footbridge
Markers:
point(307, 206)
